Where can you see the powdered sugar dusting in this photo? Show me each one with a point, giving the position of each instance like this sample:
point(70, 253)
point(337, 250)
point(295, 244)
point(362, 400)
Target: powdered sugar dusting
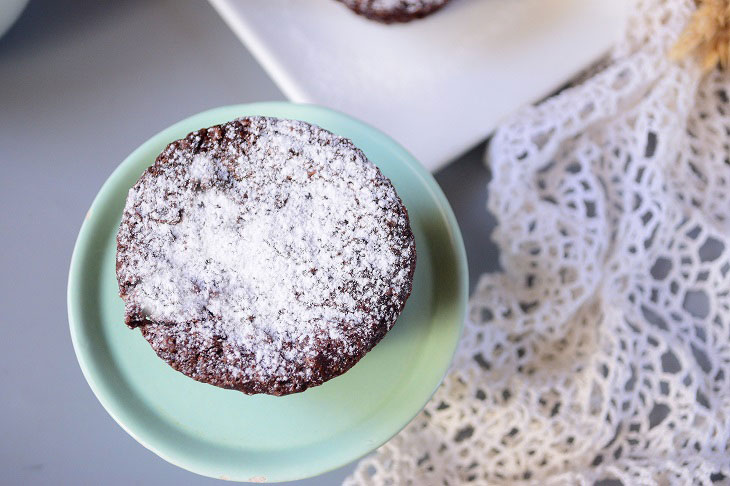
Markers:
point(275, 246)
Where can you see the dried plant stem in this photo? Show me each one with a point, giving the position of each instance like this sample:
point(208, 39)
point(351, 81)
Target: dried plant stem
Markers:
point(707, 35)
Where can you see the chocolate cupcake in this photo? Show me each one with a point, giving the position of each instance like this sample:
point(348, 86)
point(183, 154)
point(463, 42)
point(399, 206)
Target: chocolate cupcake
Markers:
point(264, 255)
point(389, 11)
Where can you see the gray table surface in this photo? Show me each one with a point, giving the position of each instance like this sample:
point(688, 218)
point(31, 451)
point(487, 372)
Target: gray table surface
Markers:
point(81, 85)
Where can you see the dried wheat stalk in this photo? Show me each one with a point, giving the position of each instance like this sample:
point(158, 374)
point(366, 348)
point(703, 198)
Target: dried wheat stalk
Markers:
point(707, 35)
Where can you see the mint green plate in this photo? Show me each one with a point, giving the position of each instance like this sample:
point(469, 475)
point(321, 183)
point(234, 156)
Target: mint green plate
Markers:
point(226, 434)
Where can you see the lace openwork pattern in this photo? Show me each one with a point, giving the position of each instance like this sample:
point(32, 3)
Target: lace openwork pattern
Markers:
point(602, 350)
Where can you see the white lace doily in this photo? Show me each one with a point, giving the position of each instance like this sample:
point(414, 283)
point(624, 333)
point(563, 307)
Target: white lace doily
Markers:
point(603, 349)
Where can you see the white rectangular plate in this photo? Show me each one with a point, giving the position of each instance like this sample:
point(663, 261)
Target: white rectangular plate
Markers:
point(438, 85)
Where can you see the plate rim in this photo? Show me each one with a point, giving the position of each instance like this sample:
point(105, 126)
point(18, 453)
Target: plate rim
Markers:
point(75, 307)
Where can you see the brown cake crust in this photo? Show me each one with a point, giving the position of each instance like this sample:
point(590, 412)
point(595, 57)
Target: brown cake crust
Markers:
point(188, 304)
point(392, 11)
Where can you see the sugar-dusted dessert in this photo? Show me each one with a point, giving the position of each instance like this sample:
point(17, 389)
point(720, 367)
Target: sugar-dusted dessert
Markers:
point(264, 255)
point(389, 11)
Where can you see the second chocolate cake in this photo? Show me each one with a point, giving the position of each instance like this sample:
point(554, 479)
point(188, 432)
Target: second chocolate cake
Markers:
point(264, 255)
point(390, 11)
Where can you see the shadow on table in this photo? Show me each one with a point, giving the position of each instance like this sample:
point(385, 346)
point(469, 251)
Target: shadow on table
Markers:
point(45, 21)
point(465, 184)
